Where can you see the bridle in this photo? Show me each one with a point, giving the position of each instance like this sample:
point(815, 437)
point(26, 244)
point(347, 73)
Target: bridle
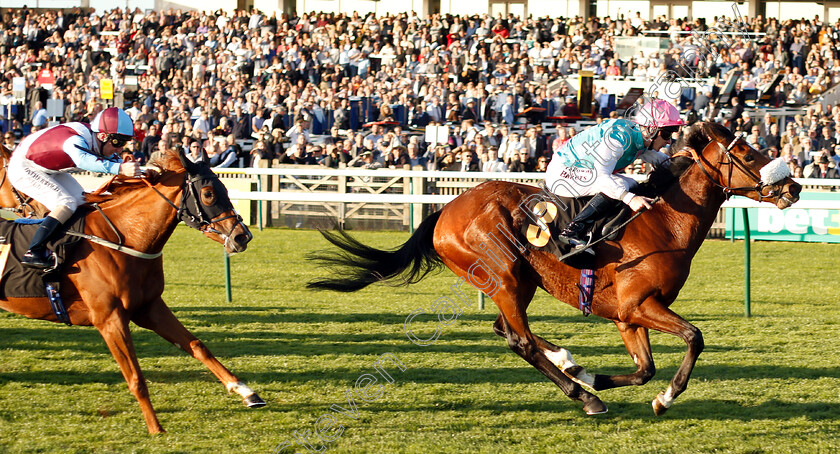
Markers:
point(194, 213)
point(201, 219)
point(732, 161)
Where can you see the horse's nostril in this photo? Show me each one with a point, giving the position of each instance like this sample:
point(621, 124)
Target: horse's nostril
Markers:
point(242, 239)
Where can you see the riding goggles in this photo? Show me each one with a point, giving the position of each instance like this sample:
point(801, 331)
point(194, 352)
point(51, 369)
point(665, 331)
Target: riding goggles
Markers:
point(117, 142)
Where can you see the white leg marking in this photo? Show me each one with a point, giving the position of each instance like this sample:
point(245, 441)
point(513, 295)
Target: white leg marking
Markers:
point(563, 360)
point(667, 398)
point(239, 388)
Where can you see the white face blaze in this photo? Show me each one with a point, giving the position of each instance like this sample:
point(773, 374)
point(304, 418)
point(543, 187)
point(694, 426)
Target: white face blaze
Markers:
point(775, 171)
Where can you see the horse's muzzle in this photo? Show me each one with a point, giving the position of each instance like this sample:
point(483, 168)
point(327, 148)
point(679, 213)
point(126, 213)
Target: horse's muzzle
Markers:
point(240, 242)
point(790, 195)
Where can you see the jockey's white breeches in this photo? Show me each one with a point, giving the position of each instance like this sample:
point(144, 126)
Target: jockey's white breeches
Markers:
point(52, 188)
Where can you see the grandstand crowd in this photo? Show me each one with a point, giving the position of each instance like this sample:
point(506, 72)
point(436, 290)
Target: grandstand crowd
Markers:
point(300, 89)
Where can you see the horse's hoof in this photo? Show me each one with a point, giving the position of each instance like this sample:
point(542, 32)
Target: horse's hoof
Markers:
point(659, 408)
point(595, 407)
point(254, 401)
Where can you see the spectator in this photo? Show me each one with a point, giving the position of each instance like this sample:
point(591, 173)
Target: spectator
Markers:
point(335, 157)
point(297, 131)
point(414, 157)
point(195, 154)
point(542, 164)
point(772, 139)
point(229, 157)
point(396, 158)
point(521, 162)
point(215, 65)
point(39, 117)
point(447, 163)
point(508, 111)
point(490, 161)
point(150, 142)
point(822, 169)
point(365, 161)
point(468, 164)
point(261, 155)
point(9, 140)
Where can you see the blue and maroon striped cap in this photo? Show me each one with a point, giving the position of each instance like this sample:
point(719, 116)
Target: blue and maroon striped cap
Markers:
point(113, 121)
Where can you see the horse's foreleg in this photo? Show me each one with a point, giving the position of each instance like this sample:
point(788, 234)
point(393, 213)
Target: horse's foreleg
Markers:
point(159, 318)
point(114, 330)
point(562, 358)
point(637, 342)
point(526, 344)
point(653, 315)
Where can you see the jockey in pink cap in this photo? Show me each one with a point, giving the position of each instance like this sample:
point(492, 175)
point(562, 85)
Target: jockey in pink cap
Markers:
point(39, 164)
point(589, 163)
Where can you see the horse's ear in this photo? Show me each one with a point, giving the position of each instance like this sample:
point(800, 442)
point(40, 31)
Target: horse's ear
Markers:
point(185, 161)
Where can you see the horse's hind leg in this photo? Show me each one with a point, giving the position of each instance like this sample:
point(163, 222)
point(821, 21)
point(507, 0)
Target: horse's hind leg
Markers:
point(526, 344)
point(158, 318)
point(114, 330)
point(638, 346)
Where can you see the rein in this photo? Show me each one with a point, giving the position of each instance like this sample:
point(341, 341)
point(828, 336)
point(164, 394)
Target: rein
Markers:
point(115, 246)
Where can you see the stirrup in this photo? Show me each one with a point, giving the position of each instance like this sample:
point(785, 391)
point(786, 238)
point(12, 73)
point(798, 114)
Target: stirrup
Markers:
point(574, 238)
point(46, 262)
point(578, 245)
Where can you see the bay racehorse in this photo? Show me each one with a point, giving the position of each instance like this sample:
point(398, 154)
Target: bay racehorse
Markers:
point(108, 288)
point(637, 275)
point(13, 200)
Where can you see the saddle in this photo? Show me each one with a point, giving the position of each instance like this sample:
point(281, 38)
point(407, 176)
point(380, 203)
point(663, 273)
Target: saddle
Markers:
point(549, 214)
point(18, 281)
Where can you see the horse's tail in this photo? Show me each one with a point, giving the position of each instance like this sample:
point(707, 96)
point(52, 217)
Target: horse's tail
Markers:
point(359, 265)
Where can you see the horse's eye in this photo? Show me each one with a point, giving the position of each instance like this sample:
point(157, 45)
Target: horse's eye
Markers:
point(749, 158)
point(208, 195)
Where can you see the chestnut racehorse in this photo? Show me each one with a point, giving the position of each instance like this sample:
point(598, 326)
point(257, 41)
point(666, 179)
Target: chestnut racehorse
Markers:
point(638, 274)
point(13, 200)
point(108, 288)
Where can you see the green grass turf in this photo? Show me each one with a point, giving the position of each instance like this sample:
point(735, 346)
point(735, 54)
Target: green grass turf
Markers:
point(765, 384)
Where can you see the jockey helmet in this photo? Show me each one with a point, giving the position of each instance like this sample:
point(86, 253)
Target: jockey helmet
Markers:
point(115, 122)
point(658, 113)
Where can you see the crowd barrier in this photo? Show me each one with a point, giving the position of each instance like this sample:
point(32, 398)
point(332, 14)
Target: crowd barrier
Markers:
point(298, 196)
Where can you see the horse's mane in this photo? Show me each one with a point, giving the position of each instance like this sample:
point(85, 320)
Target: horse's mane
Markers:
point(700, 134)
point(115, 188)
point(663, 177)
point(697, 137)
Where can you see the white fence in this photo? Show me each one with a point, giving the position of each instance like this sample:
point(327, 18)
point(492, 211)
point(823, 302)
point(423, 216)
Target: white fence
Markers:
point(403, 197)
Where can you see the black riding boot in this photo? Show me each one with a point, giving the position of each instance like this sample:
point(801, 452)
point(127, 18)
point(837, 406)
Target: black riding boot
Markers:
point(578, 231)
point(38, 256)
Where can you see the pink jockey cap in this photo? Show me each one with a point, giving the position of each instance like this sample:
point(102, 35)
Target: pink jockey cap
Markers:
point(658, 113)
point(113, 121)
